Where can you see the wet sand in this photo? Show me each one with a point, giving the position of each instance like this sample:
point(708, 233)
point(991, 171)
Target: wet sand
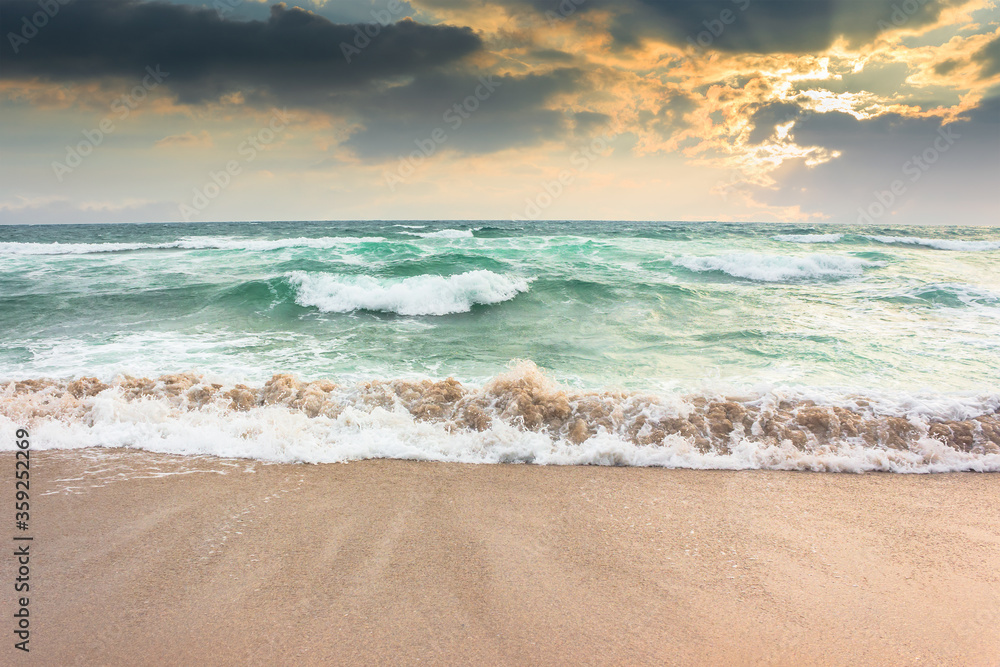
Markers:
point(141, 558)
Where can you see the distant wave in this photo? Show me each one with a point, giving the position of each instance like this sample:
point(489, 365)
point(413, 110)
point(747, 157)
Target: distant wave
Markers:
point(520, 416)
point(411, 226)
point(808, 238)
point(190, 243)
point(15, 248)
point(444, 234)
point(210, 243)
point(951, 295)
point(417, 295)
point(939, 244)
point(777, 268)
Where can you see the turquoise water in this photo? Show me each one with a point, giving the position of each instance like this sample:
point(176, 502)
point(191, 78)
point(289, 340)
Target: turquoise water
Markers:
point(679, 345)
point(631, 305)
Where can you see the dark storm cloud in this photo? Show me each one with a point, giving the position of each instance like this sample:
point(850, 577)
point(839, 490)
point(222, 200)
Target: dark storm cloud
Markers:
point(206, 55)
point(989, 56)
point(587, 123)
point(509, 111)
point(934, 166)
point(669, 119)
point(758, 26)
point(768, 116)
point(395, 91)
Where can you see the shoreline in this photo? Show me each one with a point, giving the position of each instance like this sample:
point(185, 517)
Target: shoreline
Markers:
point(152, 557)
point(519, 415)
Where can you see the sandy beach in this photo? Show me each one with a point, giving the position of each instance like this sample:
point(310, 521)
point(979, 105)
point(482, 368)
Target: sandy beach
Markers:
point(143, 558)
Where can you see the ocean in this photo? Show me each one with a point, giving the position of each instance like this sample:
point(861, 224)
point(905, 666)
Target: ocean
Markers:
point(696, 345)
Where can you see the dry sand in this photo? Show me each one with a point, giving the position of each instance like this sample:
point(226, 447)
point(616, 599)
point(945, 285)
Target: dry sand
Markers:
point(396, 562)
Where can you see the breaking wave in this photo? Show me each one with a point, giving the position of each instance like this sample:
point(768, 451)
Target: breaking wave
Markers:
point(207, 243)
point(15, 248)
point(950, 295)
point(519, 416)
point(191, 243)
point(808, 238)
point(444, 234)
point(777, 268)
point(939, 244)
point(416, 295)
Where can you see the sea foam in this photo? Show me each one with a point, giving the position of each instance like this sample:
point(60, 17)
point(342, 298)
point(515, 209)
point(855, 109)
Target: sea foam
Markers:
point(520, 416)
point(189, 243)
point(212, 243)
point(808, 238)
point(777, 268)
point(16, 248)
point(939, 244)
point(444, 234)
point(416, 295)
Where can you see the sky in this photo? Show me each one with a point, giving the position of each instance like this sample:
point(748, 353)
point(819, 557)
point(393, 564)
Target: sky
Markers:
point(844, 111)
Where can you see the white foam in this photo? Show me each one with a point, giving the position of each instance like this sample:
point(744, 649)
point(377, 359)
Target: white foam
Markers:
point(808, 238)
point(222, 243)
point(968, 295)
point(778, 268)
point(939, 244)
point(274, 433)
point(15, 248)
point(444, 234)
point(416, 295)
point(189, 243)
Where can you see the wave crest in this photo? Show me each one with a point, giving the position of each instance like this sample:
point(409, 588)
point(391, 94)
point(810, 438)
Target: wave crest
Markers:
point(444, 234)
point(777, 268)
point(939, 244)
point(518, 416)
point(417, 295)
point(808, 238)
point(190, 243)
point(18, 248)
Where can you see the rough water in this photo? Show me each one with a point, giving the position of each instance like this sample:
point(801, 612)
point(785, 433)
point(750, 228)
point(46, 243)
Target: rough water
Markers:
point(702, 345)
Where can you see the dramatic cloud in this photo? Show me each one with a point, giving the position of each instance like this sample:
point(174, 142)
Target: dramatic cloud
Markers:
point(944, 169)
point(294, 53)
point(755, 26)
point(477, 114)
point(990, 57)
point(720, 109)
